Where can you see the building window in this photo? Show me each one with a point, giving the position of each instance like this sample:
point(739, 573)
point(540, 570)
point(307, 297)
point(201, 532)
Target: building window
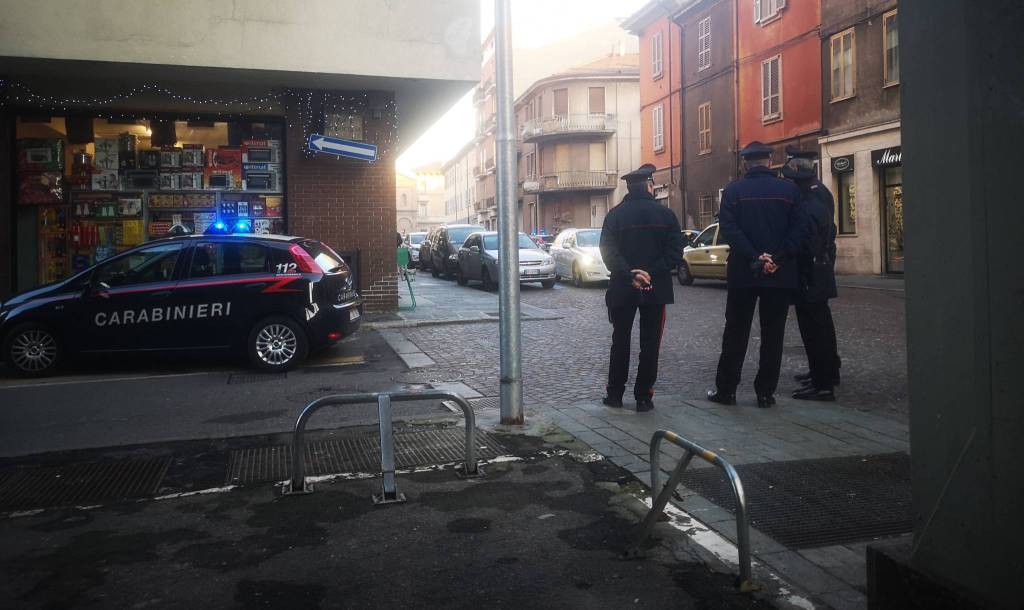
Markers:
point(704, 128)
point(847, 211)
point(771, 89)
point(561, 102)
point(704, 44)
point(891, 41)
point(767, 10)
point(705, 210)
point(597, 100)
point(531, 165)
point(658, 122)
point(843, 68)
point(656, 70)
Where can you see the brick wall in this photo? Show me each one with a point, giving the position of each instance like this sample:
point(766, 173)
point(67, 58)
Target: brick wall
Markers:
point(348, 204)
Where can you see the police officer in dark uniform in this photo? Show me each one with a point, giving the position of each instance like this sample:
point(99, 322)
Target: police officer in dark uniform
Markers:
point(641, 244)
point(760, 219)
point(817, 281)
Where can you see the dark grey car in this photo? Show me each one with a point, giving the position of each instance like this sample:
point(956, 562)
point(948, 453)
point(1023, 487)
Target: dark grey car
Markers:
point(444, 248)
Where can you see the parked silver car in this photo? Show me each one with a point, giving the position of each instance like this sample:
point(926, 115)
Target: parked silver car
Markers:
point(414, 240)
point(577, 255)
point(478, 260)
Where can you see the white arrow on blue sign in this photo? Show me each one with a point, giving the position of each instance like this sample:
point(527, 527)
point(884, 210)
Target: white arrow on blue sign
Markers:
point(342, 148)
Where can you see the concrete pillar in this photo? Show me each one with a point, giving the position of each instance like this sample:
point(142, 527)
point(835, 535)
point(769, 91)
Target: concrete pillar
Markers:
point(962, 75)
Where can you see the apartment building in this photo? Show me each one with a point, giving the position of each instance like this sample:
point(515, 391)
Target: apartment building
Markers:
point(460, 185)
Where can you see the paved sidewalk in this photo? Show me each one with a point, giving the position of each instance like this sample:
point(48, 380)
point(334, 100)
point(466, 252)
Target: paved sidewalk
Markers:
point(892, 283)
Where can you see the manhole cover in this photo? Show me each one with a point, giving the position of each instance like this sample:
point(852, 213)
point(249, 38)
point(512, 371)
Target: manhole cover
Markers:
point(359, 454)
point(812, 503)
point(432, 376)
point(70, 484)
point(236, 378)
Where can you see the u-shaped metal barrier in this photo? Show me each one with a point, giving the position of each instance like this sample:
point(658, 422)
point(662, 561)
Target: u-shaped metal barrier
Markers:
point(389, 488)
point(662, 498)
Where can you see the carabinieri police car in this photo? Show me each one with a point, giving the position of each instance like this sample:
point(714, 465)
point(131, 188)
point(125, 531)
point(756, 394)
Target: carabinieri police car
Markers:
point(276, 297)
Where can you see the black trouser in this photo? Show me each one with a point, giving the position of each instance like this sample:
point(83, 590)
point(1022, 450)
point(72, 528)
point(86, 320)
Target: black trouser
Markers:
point(819, 335)
point(739, 314)
point(652, 325)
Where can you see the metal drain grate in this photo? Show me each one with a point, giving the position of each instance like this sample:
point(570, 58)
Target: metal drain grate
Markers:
point(358, 454)
point(70, 484)
point(812, 503)
point(487, 402)
point(236, 378)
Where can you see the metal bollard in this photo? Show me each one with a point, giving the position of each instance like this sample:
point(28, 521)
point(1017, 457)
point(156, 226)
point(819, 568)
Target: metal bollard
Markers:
point(389, 493)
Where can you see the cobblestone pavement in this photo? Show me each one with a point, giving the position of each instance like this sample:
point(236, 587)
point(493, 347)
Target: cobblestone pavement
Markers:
point(565, 360)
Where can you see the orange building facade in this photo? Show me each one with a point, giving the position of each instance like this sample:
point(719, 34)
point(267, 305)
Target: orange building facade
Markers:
point(661, 107)
point(779, 58)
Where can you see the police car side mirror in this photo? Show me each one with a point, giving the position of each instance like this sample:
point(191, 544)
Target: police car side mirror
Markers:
point(474, 249)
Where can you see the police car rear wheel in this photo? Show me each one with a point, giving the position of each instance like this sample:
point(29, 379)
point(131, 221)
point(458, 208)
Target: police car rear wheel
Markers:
point(277, 344)
point(32, 350)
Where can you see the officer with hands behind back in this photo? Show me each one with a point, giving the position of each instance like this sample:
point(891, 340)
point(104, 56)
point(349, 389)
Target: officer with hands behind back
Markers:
point(641, 243)
point(760, 218)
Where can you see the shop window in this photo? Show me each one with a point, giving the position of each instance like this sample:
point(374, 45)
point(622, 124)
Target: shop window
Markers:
point(891, 42)
point(843, 65)
point(847, 210)
point(146, 266)
point(89, 188)
point(212, 259)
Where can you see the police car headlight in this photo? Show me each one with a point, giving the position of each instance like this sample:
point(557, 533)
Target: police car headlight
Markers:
point(587, 260)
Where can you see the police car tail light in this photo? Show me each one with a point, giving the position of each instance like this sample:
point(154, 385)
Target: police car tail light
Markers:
point(303, 260)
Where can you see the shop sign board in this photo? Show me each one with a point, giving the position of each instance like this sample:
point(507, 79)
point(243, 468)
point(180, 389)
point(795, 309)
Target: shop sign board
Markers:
point(887, 157)
point(342, 148)
point(841, 165)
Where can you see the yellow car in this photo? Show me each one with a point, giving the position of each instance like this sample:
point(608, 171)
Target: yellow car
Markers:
point(705, 258)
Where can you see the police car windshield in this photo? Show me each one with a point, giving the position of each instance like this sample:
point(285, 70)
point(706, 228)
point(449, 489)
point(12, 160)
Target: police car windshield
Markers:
point(327, 259)
point(588, 239)
point(525, 243)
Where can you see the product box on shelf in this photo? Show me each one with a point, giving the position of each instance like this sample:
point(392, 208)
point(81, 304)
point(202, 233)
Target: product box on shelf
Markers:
point(159, 228)
point(39, 188)
point(142, 179)
point(170, 181)
point(261, 177)
point(200, 201)
point(166, 200)
point(273, 207)
point(202, 221)
point(170, 158)
point(149, 159)
point(106, 180)
point(191, 180)
point(93, 205)
point(261, 151)
point(223, 169)
point(192, 156)
point(127, 150)
point(106, 158)
point(129, 206)
point(41, 154)
point(219, 180)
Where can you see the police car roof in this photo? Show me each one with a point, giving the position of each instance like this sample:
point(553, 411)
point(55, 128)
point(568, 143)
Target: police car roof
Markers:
point(239, 236)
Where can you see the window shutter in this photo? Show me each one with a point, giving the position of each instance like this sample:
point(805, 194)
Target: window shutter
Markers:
point(780, 4)
point(757, 11)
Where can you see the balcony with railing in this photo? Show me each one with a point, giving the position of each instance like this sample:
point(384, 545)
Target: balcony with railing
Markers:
point(546, 128)
point(571, 181)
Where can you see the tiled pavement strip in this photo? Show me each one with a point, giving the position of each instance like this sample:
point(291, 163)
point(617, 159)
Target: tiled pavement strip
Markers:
point(794, 430)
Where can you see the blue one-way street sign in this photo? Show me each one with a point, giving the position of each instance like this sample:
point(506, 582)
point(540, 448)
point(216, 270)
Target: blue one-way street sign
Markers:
point(342, 148)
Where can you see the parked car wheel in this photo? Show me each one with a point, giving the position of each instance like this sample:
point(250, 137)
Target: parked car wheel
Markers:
point(277, 344)
point(32, 350)
point(683, 274)
point(489, 284)
point(577, 276)
point(548, 284)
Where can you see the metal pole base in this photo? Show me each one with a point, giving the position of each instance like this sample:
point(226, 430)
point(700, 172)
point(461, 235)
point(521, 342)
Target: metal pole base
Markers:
point(288, 491)
point(384, 498)
point(462, 473)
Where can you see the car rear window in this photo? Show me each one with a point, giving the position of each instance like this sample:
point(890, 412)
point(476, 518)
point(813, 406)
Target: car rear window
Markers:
point(327, 259)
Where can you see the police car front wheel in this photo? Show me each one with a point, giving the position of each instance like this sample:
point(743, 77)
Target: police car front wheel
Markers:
point(277, 344)
point(32, 350)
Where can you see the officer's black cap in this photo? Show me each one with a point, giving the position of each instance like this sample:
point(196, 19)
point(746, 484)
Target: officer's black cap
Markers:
point(756, 150)
point(795, 153)
point(644, 172)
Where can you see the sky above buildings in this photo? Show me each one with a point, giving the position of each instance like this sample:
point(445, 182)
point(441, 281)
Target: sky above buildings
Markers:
point(535, 23)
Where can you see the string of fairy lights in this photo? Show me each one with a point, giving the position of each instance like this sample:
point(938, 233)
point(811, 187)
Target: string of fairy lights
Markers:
point(346, 115)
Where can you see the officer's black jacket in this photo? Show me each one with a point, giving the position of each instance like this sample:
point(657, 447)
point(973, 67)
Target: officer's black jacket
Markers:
point(817, 254)
point(640, 233)
point(761, 213)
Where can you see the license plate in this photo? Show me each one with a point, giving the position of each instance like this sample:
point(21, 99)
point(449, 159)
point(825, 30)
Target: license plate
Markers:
point(353, 314)
point(531, 272)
